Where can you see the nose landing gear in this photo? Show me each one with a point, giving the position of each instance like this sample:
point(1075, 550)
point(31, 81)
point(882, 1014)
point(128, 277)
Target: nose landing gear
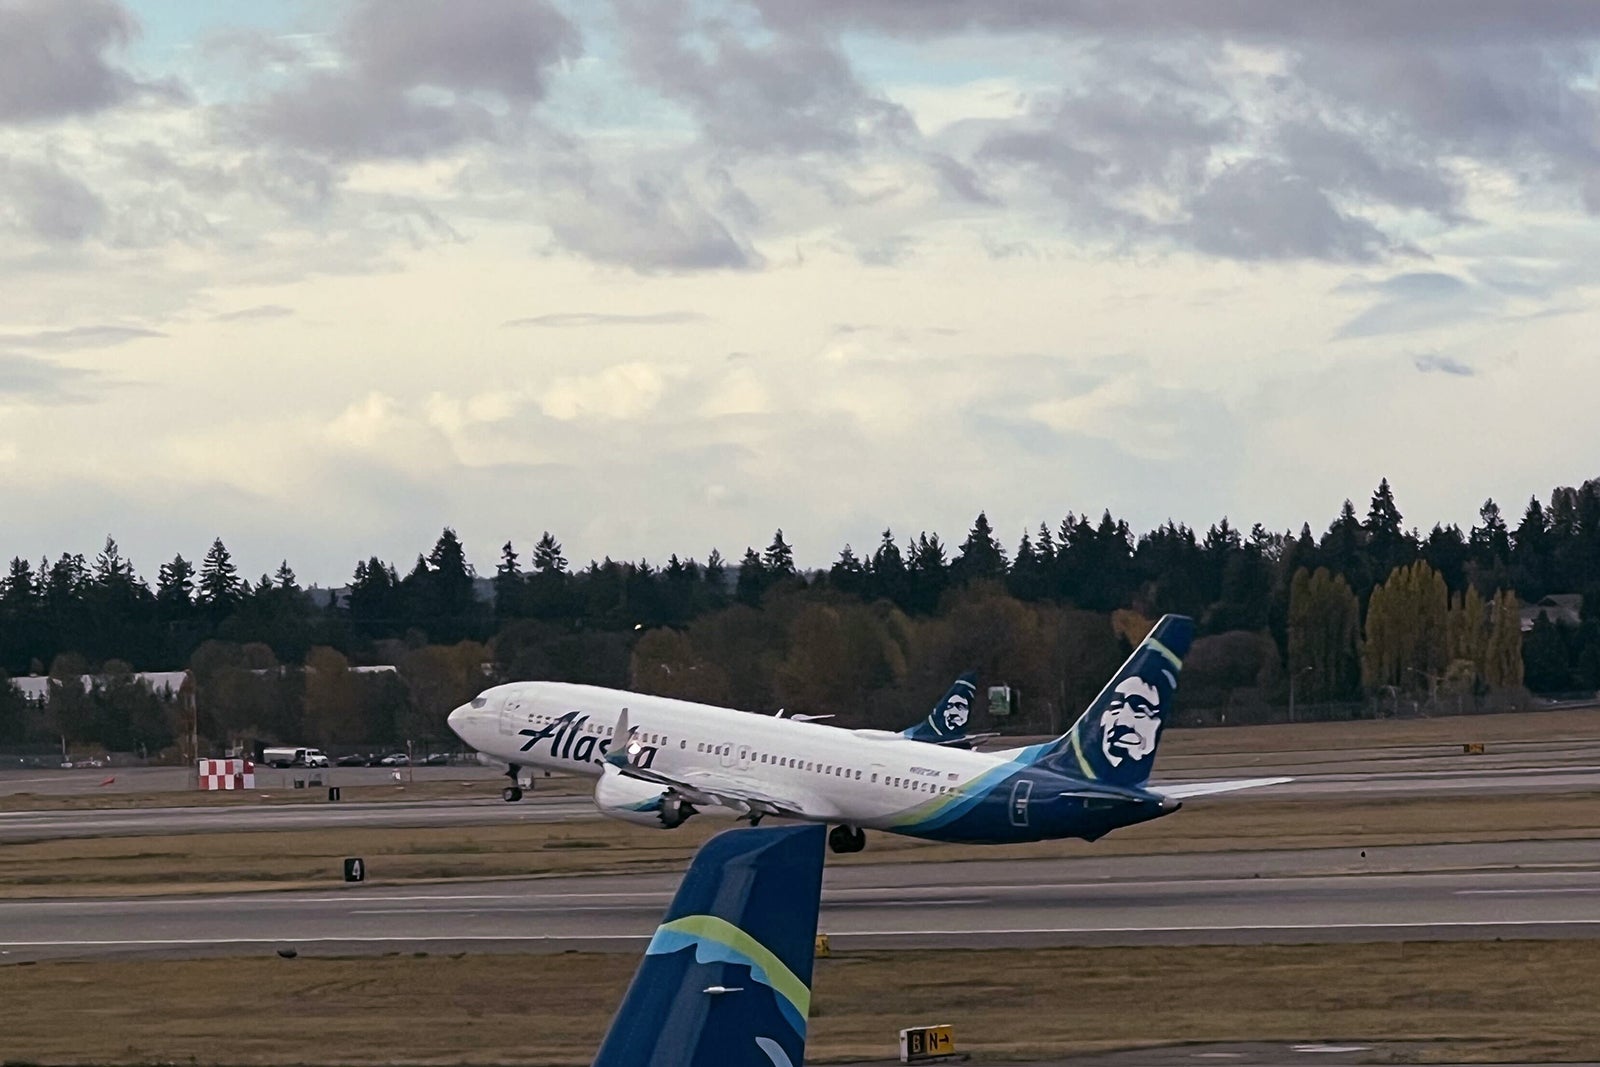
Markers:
point(844, 839)
point(513, 792)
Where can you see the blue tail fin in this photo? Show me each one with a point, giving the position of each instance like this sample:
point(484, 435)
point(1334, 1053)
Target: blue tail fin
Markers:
point(946, 724)
point(1115, 739)
point(726, 981)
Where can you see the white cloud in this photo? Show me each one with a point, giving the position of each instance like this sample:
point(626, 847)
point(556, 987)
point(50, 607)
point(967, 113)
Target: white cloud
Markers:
point(624, 391)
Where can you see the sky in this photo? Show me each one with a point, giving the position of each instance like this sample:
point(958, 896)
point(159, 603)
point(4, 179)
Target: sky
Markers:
point(660, 276)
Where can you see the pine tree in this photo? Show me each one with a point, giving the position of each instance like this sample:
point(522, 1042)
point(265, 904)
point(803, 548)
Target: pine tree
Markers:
point(779, 557)
point(285, 578)
point(888, 571)
point(175, 587)
point(547, 557)
point(219, 588)
point(752, 581)
point(508, 584)
point(981, 555)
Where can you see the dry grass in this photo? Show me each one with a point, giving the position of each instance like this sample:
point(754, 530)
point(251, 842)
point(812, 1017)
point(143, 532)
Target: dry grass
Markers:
point(1484, 1001)
point(296, 858)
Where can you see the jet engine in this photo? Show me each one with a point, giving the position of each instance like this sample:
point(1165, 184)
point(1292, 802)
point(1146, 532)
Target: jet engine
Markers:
point(629, 799)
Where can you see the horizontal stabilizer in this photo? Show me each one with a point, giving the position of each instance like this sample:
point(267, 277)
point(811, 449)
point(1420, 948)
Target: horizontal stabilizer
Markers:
point(1202, 789)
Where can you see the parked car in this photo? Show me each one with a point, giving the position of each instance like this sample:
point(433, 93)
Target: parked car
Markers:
point(354, 760)
point(395, 759)
point(437, 759)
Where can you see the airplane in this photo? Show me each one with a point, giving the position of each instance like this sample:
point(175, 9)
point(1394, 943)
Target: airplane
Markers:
point(946, 724)
point(726, 980)
point(659, 761)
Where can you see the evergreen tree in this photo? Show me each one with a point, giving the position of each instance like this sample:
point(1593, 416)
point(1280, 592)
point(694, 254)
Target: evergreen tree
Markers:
point(779, 558)
point(175, 587)
point(927, 573)
point(888, 571)
point(1386, 540)
point(848, 574)
point(752, 581)
point(981, 556)
point(547, 557)
point(449, 582)
point(508, 584)
point(219, 587)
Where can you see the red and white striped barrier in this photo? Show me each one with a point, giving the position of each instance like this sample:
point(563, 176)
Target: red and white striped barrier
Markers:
point(227, 774)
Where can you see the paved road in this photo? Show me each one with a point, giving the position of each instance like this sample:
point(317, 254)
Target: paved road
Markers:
point(1519, 889)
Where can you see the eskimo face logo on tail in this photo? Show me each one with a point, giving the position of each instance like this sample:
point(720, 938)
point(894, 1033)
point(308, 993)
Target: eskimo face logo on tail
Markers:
point(956, 710)
point(1131, 722)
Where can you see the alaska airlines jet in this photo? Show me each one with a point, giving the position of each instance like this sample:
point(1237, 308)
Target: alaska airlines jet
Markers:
point(659, 761)
point(726, 980)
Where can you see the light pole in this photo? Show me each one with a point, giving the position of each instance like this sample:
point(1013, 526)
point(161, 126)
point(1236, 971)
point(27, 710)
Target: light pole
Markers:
point(1293, 678)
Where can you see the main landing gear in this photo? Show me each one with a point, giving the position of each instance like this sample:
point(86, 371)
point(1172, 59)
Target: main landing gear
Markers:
point(846, 839)
point(513, 792)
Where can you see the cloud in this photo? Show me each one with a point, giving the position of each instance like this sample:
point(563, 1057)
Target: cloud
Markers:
point(40, 381)
point(757, 92)
point(1259, 210)
point(46, 202)
point(1415, 301)
point(562, 320)
point(78, 337)
point(261, 311)
point(412, 76)
point(625, 391)
point(1436, 363)
point(53, 59)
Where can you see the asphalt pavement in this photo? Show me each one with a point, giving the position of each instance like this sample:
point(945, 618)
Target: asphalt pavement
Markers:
point(1499, 890)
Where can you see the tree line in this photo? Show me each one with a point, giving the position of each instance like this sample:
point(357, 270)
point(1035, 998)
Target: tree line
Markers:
point(1370, 611)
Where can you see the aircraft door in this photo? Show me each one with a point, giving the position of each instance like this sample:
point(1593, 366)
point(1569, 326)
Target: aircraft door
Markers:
point(1019, 802)
point(745, 754)
point(509, 710)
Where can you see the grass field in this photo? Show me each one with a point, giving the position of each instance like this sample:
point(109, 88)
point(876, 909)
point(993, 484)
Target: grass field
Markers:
point(1476, 1001)
point(298, 858)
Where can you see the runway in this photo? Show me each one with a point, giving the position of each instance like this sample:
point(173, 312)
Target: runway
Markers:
point(1504, 890)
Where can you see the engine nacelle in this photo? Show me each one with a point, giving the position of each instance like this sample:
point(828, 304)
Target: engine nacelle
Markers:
point(644, 803)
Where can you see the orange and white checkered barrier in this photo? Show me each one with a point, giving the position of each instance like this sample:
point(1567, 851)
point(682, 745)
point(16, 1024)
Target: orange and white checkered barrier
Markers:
point(227, 774)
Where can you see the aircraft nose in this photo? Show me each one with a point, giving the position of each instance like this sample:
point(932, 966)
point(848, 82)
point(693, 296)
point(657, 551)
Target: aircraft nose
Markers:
point(457, 720)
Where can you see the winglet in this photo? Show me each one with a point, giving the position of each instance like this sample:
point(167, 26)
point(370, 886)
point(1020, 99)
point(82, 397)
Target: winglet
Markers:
point(727, 976)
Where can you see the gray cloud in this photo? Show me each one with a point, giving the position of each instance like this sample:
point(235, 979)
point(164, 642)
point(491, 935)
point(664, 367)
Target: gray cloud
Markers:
point(412, 76)
point(1417, 22)
point(1416, 301)
point(261, 311)
point(590, 318)
point(78, 337)
point(46, 202)
point(53, 58)
point(1258, 210)
point(1434, 363)
point(40, 381)
point(793, 92)
point(649, 224)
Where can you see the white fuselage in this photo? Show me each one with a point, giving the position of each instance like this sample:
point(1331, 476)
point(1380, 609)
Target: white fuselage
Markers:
point(866, 778)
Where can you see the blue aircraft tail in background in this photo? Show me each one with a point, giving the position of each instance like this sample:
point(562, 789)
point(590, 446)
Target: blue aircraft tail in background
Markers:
point(726, 981)
point(946, 724)
point(1115, 740)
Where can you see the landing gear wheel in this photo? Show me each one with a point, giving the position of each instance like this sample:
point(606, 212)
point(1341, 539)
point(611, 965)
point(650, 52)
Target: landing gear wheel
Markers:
point(511, 794)
point(842, 839)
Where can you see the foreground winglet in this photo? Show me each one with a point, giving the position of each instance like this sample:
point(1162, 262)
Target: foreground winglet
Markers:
point(726, 981)
point(1184, 790)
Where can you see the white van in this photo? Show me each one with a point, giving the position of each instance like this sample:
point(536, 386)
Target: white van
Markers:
point(294, 757)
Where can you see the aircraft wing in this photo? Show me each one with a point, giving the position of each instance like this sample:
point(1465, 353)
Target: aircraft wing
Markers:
point(727, 977)
point(728, 792)
point(1182, 791)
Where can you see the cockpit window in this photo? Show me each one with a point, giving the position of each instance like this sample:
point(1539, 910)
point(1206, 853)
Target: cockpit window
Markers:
point(479, 702)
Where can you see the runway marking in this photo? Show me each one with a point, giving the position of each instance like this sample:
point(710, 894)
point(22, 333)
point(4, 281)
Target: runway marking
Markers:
point(1524, 892)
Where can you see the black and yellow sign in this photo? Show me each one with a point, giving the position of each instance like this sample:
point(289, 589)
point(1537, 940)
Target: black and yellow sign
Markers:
point(922, 1044)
